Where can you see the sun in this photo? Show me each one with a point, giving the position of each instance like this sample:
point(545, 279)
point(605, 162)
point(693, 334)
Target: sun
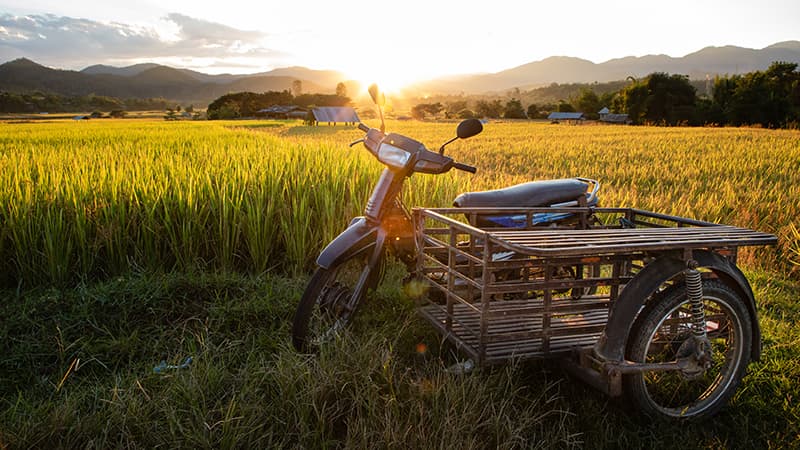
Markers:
point(389, 79)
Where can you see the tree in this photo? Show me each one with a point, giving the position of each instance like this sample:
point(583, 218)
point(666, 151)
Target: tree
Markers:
point(670, 99)
point(588, 103)
point(514, 110)
point(297, 87)
point(607, 100)
point(246, 104)
point(453, 109)
point(466, 114)
point(491, 109)
point(546, 109)
point(770, 98)
point(341, 90)
point(421, 110)
point(228, 109)
point(631, 101)
point(418, 111)
point(533, 111)
point(564, 106)
point(307, 100)
point(660, 98)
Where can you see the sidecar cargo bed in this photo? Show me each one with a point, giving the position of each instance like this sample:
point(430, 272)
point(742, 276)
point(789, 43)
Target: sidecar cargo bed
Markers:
point(500, 293)
point(593, 242)
point(650, 233)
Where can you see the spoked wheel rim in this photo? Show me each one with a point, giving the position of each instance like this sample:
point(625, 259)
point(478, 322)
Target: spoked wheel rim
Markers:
point(690, 392)
point(330, 302)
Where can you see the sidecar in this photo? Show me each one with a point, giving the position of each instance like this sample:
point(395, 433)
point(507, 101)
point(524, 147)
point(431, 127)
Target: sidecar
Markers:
point(632, 301)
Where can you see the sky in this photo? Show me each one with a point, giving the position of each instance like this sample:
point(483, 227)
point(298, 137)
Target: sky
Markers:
point(389, 42)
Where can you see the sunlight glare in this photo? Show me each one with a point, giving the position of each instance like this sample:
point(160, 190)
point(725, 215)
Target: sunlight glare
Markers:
point(389, 79)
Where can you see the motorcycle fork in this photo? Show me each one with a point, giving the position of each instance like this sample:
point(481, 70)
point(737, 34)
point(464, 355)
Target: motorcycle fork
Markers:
point(399, 228)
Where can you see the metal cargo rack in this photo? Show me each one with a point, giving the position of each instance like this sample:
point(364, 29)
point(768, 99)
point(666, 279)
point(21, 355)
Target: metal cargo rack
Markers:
point(501, 293)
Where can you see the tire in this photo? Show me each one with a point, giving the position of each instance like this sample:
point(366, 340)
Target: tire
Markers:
point(698, 393)
point(330, 302)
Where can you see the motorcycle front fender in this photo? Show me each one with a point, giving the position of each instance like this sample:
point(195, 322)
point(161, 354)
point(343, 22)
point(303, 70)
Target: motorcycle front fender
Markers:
point(360, 235)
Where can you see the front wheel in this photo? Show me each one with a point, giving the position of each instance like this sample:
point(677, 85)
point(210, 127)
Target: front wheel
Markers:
point(662, 334)
point(330, 301)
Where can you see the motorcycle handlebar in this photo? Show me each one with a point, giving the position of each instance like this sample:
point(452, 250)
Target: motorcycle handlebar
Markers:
point(464, 167)
point(372, 141)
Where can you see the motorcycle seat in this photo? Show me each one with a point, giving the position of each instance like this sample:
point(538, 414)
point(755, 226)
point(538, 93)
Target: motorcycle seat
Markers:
point(530, 194)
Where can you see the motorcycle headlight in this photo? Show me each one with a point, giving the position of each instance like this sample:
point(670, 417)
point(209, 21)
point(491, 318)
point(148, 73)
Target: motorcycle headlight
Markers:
point(393, 156)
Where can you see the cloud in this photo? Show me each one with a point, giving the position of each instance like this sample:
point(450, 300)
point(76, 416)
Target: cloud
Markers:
point(66, 41)
point(198, 30)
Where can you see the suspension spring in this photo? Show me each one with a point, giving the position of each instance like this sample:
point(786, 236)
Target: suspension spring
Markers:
point(694, 292)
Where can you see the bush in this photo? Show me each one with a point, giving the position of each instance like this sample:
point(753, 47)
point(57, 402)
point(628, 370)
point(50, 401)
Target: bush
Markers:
point(514, 110)
point(466, 114)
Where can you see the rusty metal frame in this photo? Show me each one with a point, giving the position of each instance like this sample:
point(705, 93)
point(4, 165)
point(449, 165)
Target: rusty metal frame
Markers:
point(522, 306)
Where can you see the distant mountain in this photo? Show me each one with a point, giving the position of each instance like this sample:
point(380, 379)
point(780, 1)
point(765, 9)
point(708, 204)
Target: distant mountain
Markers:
point(317, 77)
point(24, 75)
point(709, 61)
point(153, 80)
point(322, 77)
point(101, 69)
point(188, 86)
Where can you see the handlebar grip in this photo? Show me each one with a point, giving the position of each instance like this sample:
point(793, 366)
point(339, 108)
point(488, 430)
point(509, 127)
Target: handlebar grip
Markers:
point(363, 127)
point(464, 167)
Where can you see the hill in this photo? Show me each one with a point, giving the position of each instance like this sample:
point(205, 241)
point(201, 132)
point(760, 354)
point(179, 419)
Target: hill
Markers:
point(709, 61)
point(319, 77)
point(101, 69)
point(153, 80)
point(188, 86)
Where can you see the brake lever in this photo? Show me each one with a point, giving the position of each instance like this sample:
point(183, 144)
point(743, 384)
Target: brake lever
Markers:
point(358, 141)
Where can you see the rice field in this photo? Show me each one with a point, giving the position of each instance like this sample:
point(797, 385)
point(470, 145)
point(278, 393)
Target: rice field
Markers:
point(83, 201)
point(126, 243)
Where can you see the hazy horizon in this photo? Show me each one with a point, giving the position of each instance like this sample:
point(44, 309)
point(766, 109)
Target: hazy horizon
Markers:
point(370, 41)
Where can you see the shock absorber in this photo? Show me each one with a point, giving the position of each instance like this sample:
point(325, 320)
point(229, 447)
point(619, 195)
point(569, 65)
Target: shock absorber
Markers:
point(700, 346)
point(694, 292)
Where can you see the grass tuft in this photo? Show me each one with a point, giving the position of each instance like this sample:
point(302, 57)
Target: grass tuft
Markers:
point(78, 371)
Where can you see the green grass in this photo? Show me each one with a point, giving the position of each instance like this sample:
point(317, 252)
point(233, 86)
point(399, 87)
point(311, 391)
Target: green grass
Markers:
point(78, 371)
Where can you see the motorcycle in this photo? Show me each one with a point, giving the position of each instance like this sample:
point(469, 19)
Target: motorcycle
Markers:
point(350, 265)
point(629, 299)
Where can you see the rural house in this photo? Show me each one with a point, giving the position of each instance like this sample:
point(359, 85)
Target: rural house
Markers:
point(335, 114)
point(606, 116)
point(283, 112)
point(570, 117)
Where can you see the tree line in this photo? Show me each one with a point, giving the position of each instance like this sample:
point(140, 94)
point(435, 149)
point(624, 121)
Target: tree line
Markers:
point(247, 104)
point(36, 102)
point(769, 98)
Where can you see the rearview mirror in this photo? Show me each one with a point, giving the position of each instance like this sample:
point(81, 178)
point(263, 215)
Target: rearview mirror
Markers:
point(377, 96)
point(466, 129)
point(469, 128)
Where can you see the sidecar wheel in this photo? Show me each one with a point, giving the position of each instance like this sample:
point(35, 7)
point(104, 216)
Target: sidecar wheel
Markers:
point(663, 328)
point(330, 301)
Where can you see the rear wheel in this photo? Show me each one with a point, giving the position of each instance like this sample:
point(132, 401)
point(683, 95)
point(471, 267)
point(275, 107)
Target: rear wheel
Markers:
point(330, 301)
point(663, 333)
